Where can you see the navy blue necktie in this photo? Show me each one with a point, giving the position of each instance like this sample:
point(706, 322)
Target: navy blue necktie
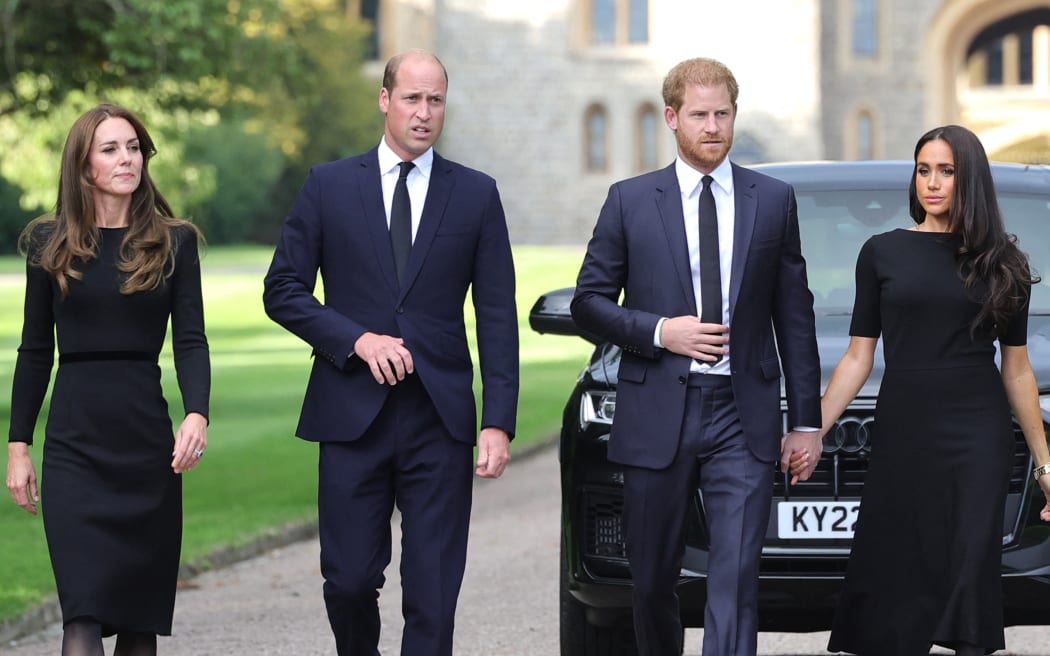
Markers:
point(710, 271)
point(401, 222)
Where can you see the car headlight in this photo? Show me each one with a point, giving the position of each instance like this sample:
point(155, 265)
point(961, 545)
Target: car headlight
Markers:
point(597, 408)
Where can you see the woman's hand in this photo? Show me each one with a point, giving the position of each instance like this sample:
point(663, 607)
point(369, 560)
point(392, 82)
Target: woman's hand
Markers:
point(191, 441)
point(21, 477)
point(1044, 485)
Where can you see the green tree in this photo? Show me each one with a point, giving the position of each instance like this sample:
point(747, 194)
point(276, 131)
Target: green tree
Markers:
point(280, 79)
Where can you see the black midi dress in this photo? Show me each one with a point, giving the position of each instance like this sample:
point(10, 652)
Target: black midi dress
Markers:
point(111, 504)
point(925, 563)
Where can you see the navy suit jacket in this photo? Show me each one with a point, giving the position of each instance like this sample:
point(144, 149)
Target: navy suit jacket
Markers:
point(639, 247)
point(338, 226)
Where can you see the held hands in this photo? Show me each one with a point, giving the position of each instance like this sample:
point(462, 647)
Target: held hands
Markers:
point(493, 452)
point(191, 440)
point(687, 336)
point(386, 356)
point(21, 477)
point(799, 454)
point(1044, 485)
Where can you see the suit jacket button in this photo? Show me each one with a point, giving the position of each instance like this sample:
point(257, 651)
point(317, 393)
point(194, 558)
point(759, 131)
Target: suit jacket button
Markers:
point(400, 310)
point(682, 380)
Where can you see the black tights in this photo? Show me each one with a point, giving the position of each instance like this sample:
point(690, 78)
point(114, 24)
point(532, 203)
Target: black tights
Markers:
point(83, 637)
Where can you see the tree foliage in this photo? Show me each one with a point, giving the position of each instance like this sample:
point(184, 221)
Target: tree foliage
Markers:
point(242, 96)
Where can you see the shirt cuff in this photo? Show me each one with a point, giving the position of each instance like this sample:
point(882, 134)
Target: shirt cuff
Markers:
point(656, 335)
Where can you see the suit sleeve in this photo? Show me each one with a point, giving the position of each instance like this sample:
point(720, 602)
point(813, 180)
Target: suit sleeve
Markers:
point(795, 326)
point(288, 294)
point(492, 290)
point(603, 276)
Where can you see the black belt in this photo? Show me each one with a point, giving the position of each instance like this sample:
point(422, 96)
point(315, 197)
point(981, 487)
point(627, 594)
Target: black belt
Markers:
point(102, 356)
point(708, 380)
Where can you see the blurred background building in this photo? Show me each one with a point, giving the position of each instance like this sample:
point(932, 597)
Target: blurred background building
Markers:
point(559, 98)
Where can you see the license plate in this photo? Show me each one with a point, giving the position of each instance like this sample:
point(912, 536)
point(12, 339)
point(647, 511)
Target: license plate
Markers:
point(816, 519)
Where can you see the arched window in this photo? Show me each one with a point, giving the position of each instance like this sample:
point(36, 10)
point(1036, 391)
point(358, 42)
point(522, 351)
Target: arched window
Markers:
point(865, 135)
point(1005, 52)
point(648, 138)
point(596, 131)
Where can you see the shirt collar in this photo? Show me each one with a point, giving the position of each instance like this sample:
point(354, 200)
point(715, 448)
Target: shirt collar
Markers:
point(388, 160)
point(689, 179)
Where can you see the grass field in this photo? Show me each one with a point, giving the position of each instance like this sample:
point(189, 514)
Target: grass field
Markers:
point(257, 475)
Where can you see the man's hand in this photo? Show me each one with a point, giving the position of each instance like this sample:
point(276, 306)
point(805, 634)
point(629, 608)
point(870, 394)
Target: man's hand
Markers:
point(493, 452)
point(799, 454)
point(21, 477)
point(687, 336)
point(386, 356)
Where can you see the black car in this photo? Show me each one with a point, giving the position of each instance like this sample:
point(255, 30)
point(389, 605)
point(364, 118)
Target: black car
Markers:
point(807, 542)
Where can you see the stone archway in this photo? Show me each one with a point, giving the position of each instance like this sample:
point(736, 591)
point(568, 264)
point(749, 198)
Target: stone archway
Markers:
point(1001, 120)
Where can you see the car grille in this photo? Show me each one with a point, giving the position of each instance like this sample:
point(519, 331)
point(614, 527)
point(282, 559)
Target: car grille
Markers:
point(840, 473)
point(604, 527)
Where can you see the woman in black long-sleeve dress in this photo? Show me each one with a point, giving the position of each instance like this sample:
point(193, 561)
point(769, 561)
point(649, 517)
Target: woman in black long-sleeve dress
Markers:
point(926, 558)
point(104, 275)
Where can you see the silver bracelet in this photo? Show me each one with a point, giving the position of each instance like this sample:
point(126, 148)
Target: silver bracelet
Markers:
point(1038, 472)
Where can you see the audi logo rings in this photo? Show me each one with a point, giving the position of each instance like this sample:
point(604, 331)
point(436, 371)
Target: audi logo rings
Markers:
point(850, 435)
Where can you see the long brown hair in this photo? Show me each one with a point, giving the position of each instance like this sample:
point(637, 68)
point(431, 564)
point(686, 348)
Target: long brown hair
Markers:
point(990, 262)
point(72, 234)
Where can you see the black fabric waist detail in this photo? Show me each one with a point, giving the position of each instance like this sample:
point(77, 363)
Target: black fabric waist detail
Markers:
point(102, 356)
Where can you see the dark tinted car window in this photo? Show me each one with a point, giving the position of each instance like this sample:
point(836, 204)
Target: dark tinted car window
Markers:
point(835, 224)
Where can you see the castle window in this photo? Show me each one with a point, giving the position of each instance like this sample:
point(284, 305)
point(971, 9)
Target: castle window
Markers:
point(865, 28)
point(865, 136)
point(596, 129)
point(648, 138)
point(618, 22)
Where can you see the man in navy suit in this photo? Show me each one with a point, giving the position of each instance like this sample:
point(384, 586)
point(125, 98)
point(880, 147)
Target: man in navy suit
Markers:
point(390, 395)
point(698, 397)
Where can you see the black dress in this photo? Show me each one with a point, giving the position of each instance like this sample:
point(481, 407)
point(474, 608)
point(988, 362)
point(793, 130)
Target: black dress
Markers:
point(111, 504)
point(925, 563)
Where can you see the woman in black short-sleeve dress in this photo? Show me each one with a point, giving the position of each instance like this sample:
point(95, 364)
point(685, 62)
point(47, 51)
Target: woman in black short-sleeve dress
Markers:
point(104, 275)
point(924, 568)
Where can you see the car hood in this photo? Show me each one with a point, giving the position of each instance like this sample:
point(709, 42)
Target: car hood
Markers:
point(832, 340)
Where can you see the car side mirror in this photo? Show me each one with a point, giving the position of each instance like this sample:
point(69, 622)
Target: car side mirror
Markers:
point(551, 315)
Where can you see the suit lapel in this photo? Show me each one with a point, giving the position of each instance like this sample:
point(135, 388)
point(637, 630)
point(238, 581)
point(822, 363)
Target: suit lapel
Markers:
point(438, 192)
point(669, 206)
point(370, 191)
point(746, 212)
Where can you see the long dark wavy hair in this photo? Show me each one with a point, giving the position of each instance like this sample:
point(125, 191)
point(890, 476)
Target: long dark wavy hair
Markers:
point(56, 242)
point(991, 265)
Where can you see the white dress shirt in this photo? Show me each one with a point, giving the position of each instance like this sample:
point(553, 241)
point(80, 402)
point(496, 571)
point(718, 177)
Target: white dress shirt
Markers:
point(418, 181)
point(690, 182)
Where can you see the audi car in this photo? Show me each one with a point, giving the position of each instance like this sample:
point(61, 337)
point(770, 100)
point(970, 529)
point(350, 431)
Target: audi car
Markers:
point(807, 541)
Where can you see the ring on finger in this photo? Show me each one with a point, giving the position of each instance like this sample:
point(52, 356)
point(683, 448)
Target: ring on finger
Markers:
point(198, 452)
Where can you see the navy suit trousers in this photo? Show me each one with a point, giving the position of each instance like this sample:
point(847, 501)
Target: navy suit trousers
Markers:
point(735, 486)
point(407, 458)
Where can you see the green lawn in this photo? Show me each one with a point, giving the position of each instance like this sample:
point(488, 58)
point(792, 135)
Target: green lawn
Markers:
point(256, 474)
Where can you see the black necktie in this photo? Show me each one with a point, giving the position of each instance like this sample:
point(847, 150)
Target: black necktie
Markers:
point(401, 221)
point(710, 272)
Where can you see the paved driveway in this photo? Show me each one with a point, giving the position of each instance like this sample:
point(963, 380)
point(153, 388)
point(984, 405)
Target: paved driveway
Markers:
point(509, 605)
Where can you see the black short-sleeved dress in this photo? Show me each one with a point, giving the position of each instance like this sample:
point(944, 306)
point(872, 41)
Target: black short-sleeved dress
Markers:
point(925, 563)
point(111, 504)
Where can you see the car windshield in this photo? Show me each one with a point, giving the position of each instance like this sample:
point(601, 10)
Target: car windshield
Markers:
point(835, 224)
